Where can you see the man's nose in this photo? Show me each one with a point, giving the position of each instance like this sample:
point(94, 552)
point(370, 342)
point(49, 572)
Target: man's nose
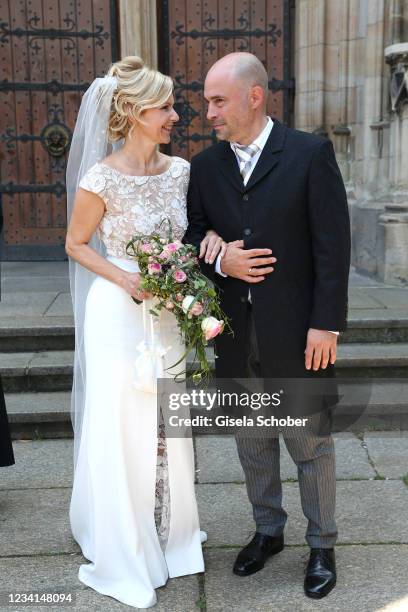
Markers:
point(210, 113)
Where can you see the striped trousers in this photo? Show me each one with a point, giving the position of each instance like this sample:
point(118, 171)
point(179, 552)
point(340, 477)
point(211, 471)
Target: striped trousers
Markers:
point(315, 461)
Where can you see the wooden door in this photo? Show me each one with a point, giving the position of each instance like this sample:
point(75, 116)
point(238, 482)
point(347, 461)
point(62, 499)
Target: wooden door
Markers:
point(194, 34)
point(51, 50)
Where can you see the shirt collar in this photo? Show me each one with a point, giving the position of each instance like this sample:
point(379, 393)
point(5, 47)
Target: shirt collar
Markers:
point(261, 139)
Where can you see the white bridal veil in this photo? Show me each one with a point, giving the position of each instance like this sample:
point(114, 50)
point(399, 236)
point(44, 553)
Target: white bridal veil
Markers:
point(89, 145)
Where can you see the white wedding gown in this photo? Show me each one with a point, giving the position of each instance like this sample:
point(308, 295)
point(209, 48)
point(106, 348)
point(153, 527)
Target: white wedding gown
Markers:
point(133, 509)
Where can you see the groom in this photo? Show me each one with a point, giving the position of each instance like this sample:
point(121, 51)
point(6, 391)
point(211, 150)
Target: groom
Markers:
point(284, 288)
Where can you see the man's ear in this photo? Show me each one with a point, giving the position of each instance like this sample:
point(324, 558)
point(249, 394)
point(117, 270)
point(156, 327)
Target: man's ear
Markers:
point(256, 96)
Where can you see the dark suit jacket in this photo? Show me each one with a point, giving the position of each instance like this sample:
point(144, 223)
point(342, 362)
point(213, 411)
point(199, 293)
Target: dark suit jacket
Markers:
point(295, 204)
point(6, 449)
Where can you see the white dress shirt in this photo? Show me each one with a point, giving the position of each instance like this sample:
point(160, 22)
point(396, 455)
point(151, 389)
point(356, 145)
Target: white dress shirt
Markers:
point(260, 141)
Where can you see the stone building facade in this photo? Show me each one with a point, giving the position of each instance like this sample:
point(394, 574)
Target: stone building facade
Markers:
point(347, 53)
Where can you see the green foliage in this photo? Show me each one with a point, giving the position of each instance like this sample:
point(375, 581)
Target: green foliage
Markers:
point(201, 602)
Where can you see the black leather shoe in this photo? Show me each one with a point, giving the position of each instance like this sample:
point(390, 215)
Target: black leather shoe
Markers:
point(320, 576)
point(252, 558)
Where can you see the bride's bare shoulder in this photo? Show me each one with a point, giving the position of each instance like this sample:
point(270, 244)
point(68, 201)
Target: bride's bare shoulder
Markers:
point(110, 160)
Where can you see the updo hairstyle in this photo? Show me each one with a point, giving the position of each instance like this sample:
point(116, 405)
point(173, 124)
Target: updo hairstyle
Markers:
point(139, 88)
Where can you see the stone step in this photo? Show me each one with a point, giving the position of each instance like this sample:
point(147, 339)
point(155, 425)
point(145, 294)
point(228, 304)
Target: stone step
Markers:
point(42, 371)
point(56, 333)
point(47, 415)
point(381, 326)
point(52, 370)
point(36, 334)
point(372, 360)
point(39, 415)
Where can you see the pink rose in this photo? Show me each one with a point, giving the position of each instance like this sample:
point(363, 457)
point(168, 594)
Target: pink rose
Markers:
point(183, 258)
point(179, 297)
point(179, 276)
point(197, 309)
point(146, 248)
point(165, 255)
point(154, 268)
point(169, 305)
point(172, 246)
point(211, 327)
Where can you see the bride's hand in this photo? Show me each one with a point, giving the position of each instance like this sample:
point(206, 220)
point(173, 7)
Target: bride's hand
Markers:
point(211, 246)
point(141, 294)
point(130, 282)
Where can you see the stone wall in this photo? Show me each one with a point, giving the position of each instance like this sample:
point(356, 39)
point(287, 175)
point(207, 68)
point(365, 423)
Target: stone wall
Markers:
point(342, 91)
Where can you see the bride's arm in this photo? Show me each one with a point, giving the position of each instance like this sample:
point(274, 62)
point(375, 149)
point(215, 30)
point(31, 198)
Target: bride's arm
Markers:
point(211, 246)
point(86, 216)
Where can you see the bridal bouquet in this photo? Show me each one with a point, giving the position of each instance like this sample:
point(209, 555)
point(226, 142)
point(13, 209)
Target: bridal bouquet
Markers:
point(170, 272)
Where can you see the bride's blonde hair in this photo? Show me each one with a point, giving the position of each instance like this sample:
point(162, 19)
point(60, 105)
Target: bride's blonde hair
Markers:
point(139, 88)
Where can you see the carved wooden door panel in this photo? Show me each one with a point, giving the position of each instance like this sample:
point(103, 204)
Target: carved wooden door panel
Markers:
point(50, 52)
point(194, 34)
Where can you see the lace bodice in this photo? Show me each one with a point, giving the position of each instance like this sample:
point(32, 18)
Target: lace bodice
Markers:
point(137, 204)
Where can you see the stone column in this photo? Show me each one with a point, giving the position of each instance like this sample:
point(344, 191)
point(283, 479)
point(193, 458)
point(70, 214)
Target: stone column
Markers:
point(393, 266)
point(343, 31)
point(138, 30)
point(375, 99)
point(310, 50)
point(374, 181)
point(328, 91)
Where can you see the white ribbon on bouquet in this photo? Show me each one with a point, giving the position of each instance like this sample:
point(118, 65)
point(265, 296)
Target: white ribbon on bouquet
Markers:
point(149, 365)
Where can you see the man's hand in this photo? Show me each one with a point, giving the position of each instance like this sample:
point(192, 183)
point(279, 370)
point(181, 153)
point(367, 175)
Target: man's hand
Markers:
point(243, 263)
point(321, 349)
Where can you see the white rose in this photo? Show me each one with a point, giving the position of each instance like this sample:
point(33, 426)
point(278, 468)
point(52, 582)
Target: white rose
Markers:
point(211, 327)
point(186, 303)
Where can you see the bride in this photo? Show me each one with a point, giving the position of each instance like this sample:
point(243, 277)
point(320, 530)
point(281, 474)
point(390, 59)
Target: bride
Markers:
point(133, 509)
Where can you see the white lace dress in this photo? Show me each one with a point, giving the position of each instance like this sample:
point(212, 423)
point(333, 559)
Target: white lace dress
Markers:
point(133, 509)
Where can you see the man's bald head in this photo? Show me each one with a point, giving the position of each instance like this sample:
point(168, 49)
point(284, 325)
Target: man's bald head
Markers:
point(244, 68)
point(236, 89)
